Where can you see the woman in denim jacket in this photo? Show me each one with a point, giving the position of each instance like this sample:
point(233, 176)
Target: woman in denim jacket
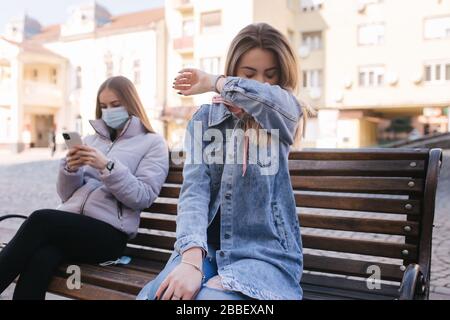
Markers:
point(238, 235)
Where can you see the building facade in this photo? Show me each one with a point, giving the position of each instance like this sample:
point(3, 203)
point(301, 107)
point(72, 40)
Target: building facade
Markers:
point(375, 70)
point(49, 76)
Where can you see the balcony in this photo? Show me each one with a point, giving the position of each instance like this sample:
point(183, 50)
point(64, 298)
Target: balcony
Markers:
point(184, 6)
point(42, 94)
point(184, 45)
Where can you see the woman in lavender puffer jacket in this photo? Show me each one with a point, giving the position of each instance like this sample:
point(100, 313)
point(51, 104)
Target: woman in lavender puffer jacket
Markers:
point(103, 185)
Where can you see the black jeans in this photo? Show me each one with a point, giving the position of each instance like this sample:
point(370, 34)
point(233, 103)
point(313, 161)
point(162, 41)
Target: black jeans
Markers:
point(45, 240)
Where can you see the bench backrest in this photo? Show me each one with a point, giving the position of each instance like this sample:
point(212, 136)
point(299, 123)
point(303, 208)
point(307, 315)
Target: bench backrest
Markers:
point(357, 208)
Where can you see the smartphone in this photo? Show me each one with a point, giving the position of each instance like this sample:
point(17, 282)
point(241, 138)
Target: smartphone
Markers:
point(72, 139)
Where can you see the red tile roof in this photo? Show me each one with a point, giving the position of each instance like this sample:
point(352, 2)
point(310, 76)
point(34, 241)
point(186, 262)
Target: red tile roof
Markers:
point(120, 22)
point(31, 46)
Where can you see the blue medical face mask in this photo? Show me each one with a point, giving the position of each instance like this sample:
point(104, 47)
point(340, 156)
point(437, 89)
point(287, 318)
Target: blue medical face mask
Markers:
point(115, 118)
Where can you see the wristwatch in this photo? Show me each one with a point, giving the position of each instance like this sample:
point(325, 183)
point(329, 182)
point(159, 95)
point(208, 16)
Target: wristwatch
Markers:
point(110, 165)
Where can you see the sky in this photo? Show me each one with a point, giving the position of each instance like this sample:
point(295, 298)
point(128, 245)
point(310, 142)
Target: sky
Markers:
point(49, 12)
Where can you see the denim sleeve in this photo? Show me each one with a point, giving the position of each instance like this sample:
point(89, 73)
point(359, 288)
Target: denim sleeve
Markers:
point(271, 106)
point(193, 205)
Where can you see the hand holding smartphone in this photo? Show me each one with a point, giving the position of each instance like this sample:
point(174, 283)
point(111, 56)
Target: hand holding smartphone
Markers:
point(72, 139)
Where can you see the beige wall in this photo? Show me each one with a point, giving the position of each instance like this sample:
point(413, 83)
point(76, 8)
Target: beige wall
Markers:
point(404, 52)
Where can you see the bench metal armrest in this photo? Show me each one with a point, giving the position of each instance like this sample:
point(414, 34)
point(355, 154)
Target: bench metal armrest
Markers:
point(11, 216)
point(413, 284)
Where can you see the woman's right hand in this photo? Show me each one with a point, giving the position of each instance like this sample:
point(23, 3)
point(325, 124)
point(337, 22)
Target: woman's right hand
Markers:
point(73, 162)
point(184, 282)
point(194, 81)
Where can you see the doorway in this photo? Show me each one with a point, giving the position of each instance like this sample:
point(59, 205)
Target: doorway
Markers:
point(43, 128)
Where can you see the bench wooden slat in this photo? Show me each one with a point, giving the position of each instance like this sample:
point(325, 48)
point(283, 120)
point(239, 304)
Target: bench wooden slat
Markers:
point(375, 185)
point(165, 208)
point(127, 281)
point(152, 223)
point(359, 285)
point(376, 168)
point(338, 202)
point(175, 177)
point(360, 154)
point(87, 292)
point(148, 254)
point(346, 288)
point(338, 244)
point(358, 224)
point(154, 241)
point(345, 154)
point(358, 246)
point(401, 168)
point(380, 226)
point(350, 267)
point(170, 191)
point(358, 184)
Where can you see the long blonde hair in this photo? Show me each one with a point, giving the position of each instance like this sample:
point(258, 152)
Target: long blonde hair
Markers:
point(264, 36)
point(127, 93)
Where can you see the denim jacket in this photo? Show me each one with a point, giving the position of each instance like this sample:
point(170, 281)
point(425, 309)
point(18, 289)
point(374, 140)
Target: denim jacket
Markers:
point(261, 251)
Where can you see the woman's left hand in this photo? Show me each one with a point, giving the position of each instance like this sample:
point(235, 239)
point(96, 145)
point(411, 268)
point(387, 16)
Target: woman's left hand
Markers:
point(92, 157)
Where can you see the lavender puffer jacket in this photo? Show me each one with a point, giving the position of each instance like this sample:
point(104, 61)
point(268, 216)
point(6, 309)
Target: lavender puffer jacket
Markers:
point(117, 198)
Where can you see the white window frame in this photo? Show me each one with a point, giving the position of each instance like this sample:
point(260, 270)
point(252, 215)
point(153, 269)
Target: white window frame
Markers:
point(313, 40)
point(213, 28)
point(379, 38)
point(440, 34)
point(188, 28)
point(314, 79)
point(311, 5)
point(137, 71)
point(442, 67)
point(211, 65)
point(371, 76)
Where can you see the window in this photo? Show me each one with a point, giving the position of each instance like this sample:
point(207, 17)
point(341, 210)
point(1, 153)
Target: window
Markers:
point(291, 37)
point(437, 28)
point(35, 75)
point(437, 72)
point(313, 40)
point(312, 79)
point(5, 72)
point(109, 65)
point(78, 81)
point(211, 65)
point(137, 72)
point(211, 20)
point(54, 76)
point(188, 28)
point(371, 76)
point(292, 4)
point(311, 5)
point(372, 34)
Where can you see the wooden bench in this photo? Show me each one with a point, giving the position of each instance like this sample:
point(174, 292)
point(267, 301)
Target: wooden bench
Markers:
point(361, 211)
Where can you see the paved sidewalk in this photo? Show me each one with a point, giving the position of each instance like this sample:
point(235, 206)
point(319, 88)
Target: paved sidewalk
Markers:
point(32, 176)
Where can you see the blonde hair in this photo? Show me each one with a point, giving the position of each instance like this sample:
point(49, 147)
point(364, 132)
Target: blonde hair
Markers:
point(127, 93)
point(264, 36)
